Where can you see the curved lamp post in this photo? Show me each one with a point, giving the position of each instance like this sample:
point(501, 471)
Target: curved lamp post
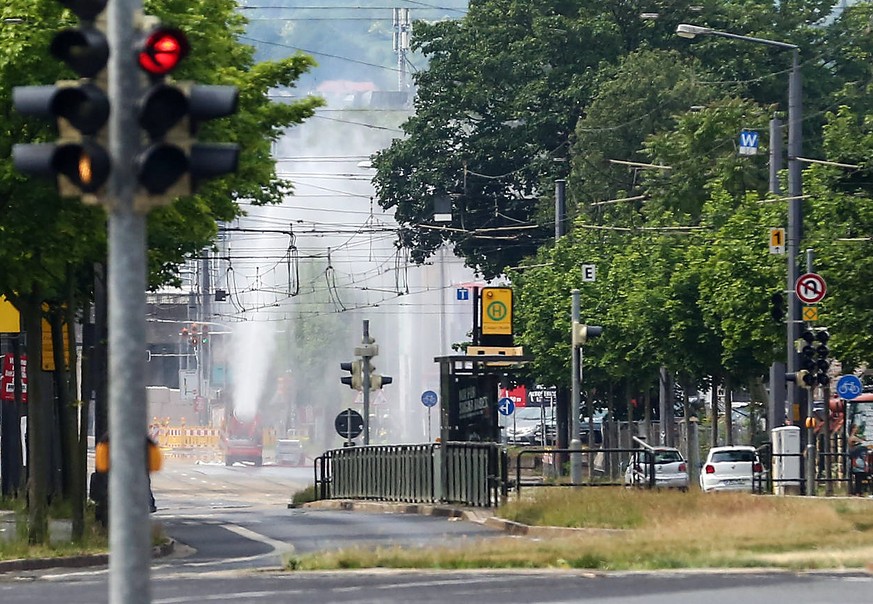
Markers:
point(795, 186)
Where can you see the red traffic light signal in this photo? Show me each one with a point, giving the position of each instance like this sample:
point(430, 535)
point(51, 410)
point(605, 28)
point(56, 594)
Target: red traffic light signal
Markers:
point(162, 50)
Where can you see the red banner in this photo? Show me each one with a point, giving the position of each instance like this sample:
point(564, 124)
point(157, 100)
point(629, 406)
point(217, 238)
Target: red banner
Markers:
point(7, 380)
point(517, 394)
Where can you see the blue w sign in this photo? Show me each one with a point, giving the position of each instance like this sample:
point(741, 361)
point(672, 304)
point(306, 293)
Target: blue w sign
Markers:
point(748, 142)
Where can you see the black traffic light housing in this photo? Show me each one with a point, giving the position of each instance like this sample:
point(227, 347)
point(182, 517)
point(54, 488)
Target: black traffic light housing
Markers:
point(172, 162)
point(777, 307)
point(377, 381)
point(355, 380)
point(822, 364)
point(79, 160)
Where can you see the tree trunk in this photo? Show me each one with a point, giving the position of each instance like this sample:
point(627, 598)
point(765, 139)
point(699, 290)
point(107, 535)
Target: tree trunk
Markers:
point(77, 452)
point(38, 422)
point(64, 412)
point(713, 405)
point(728, 412)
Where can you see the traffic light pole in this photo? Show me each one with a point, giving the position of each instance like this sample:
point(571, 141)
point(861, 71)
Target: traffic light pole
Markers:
point(575, 397)
point(129, 526)
point(366, 341)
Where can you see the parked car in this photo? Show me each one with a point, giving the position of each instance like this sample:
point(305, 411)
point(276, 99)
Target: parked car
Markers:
point(671, 470)
point(735, 468)
point(526, 427)
point(290, 453)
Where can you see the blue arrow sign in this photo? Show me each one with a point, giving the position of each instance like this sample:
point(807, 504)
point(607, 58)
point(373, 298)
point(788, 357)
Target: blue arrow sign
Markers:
point(849, 387)
point(429, 398)
point(505, 406)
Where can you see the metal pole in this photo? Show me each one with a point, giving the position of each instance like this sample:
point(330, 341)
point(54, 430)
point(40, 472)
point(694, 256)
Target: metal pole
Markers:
point(560, 208)
point(810, 429)
point(796, 398)
point(366, 384)
point(693, 454)
point(575, 398)
point(826, 431)
point(129, 526)
point(775, 154)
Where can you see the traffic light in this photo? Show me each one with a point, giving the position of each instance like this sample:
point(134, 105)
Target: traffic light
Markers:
point(822, 364)
point(583, 333)
point(777, 307)
point(78, 160)
point(355, 381)
point(173, 162)
point(377, 381)
point(194, 335)
point(204, 337)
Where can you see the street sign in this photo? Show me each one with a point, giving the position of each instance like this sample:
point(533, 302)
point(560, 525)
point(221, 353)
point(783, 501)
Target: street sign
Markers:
point(849, 387)
point(777, 240)
point(462, 293)
point(810, 288)
point(505, 406)
point(748, 142)
point(349, 424)
point(810, 313)
point(429, 398)
point(497, 311)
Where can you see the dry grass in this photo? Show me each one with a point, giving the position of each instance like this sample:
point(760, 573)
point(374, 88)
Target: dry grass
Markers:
point(661, 530)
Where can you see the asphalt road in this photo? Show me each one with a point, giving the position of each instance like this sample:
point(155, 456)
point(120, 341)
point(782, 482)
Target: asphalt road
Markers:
point(233, 527)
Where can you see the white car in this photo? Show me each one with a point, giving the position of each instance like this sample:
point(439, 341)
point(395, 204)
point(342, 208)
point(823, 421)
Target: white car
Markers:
point(734, 468)
point(671, 471)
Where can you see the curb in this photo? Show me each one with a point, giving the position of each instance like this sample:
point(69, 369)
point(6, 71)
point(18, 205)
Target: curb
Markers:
point(83, 561)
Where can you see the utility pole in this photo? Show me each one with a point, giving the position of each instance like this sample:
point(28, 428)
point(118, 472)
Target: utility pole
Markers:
point(575, 396)
point(129, 526)
point(560, 208)
point(402, 31)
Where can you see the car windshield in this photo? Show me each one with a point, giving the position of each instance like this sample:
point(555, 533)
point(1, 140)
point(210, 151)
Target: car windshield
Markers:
point(733, 456)
point(667, 456)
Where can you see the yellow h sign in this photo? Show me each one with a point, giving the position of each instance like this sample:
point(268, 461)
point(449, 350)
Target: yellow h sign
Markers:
point(497, 311)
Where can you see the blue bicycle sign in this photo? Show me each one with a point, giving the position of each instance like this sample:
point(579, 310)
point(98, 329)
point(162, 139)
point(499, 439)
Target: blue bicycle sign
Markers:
point(849, 387)
point(429, 398)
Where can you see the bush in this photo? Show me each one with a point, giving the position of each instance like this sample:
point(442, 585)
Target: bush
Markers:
point(305, 496)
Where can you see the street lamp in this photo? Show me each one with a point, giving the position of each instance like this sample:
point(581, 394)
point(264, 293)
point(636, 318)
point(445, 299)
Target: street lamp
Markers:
point(795, 185)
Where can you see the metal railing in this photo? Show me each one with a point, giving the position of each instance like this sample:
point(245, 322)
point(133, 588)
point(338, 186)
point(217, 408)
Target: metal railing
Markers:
point(473, 474)
point(589, 455)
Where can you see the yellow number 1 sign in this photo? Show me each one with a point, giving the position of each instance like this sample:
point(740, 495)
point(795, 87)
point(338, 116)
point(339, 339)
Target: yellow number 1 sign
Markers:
point(777, 240)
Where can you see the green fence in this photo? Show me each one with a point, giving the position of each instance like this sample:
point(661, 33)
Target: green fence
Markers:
point(473, 474)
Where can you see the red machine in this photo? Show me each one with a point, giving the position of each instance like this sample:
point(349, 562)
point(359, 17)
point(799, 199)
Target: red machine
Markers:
point(242, 440)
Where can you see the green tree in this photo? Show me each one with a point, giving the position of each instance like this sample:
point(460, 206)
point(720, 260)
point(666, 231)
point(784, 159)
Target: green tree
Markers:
point(50, 244)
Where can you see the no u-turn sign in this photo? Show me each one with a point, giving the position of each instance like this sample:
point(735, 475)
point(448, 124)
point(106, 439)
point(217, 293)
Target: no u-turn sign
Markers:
point(810, 288)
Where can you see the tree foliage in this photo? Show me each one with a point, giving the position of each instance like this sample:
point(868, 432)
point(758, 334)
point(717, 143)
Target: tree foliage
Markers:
point(678, 226)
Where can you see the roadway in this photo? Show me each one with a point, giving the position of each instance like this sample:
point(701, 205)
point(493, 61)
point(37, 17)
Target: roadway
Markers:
point(233, 528)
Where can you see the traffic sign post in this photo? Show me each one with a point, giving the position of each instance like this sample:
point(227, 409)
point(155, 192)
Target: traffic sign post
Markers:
point(429, 399)
point(810, 288)
point(349, 424)
point(849, 387)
